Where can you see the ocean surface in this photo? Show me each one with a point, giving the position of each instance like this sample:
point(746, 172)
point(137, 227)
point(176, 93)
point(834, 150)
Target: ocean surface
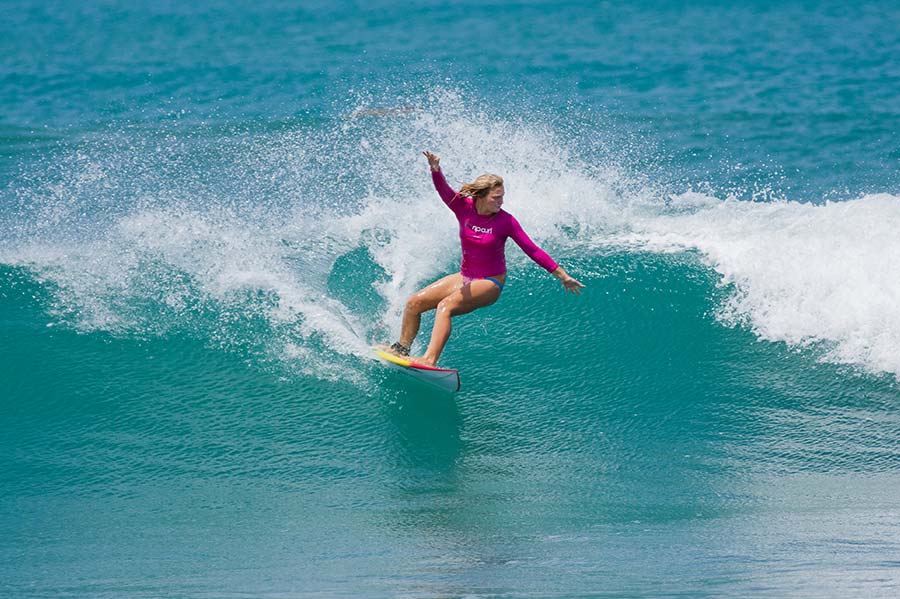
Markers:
point(210, 210)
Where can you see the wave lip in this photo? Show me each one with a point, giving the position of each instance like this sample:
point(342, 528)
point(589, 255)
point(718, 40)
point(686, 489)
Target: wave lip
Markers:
point(807, 275)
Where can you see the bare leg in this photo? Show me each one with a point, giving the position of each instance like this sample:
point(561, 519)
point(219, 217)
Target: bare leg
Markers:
point(424, 300)
point(477, 294)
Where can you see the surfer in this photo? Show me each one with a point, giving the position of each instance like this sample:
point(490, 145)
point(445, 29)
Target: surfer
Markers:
point(483, 230)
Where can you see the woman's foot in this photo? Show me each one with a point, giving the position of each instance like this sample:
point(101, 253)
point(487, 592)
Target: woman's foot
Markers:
point(423, 361)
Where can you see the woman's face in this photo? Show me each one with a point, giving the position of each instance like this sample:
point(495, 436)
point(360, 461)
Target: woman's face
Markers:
point(492, 202)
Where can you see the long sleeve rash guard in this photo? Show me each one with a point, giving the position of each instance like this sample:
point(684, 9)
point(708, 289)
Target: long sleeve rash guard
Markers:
point(483, 237)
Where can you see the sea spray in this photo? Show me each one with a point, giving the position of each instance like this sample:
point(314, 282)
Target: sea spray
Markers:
point(210, 232)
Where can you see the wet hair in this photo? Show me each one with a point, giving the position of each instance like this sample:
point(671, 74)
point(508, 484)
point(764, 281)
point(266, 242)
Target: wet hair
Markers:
point(480, 186)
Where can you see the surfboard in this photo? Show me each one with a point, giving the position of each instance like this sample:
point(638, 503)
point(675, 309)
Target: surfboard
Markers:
point(445, 379)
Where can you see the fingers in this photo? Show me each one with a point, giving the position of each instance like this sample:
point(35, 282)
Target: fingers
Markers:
point(573, 286)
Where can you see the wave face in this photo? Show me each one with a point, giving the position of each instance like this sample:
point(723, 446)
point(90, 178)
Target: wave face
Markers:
point(195, 260)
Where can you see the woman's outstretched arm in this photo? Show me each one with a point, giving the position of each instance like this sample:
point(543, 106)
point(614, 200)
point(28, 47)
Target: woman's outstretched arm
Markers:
point(534, 252)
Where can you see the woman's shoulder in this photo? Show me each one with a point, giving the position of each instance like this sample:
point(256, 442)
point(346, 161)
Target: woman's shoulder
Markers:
point(505, 217)
point(468, 202)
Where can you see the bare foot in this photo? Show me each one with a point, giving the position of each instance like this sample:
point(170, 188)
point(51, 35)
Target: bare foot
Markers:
point(422, 360)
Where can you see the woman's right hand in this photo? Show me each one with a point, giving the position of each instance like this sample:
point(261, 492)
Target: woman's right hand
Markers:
point(434, 161)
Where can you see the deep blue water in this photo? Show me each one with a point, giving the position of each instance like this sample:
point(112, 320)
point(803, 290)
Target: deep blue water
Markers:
point(209, 211)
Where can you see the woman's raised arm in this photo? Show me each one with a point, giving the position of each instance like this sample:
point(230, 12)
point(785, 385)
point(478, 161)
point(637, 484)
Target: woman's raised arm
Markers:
point(440, 183)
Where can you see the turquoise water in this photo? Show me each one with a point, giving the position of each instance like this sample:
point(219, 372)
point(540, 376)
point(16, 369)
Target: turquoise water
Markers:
point(208, 213)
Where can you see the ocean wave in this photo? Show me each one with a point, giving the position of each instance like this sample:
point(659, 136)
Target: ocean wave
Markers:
point(803, 274)
point(307, 241)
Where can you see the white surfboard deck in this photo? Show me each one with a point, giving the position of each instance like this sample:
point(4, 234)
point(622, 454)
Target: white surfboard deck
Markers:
point(445, 379)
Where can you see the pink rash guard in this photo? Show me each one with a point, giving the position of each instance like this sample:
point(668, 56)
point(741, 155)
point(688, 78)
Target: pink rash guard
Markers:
point(484, 237)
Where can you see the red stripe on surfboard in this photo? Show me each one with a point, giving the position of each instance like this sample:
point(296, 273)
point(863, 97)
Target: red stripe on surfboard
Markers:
point(418, 366)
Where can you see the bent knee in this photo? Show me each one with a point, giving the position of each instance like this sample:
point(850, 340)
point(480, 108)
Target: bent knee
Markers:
point(412, 304)
point(417, 304)
point(449, 304)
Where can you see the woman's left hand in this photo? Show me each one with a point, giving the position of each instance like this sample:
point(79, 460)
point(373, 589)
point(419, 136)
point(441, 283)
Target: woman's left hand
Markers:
point(572, 285)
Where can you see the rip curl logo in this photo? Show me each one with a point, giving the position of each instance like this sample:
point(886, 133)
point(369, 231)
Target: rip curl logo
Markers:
point(481, 229)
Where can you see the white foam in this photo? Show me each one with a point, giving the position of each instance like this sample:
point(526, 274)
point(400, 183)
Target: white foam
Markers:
point(803, 274)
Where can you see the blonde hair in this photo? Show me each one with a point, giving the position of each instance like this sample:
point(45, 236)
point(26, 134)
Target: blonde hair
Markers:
point(480, 186)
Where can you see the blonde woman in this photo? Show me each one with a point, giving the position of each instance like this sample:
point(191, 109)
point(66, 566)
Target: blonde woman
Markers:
point(483, 230)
